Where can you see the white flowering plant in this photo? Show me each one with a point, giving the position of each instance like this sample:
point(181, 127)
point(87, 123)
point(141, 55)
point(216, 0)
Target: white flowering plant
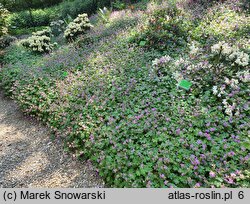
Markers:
point(160, 66)
point(223, 51)
point(78, 27)
point(4, 13)
point(39, 42)
point(209, 67)
point(47, 32)
point(222, 75)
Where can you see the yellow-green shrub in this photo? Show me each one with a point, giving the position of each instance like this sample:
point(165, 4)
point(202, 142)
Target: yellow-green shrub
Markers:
point(79, 26)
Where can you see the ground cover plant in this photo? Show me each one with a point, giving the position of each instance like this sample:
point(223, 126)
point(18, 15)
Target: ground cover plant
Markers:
point(114, 94)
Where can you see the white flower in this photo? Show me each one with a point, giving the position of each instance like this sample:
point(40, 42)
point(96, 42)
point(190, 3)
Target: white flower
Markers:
point(177, 76)
point(242, 59)
point(228, 111)
point(234, 83)
point(244, 76)
point(179, 61)
point(215, 90)
point(155, 62)
point(237, 113)
point(39, 41)
point(232, 56)
point(227, 81)
point(162, 61)
point(222, 90)
point(224, 102)
point(216, 49)
point(226, 49)
point(193, 49)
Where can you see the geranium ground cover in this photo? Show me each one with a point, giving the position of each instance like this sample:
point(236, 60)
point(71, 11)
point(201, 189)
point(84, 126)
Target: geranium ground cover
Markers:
point(117, 101)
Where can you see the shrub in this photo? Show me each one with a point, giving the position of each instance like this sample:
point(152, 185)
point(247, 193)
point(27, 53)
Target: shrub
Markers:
point(222, 23)
point(79, 26)
point(166, 28)
point(6, 40)
point(20, 5)
point(25, 31)
point(57, 27)
point(39, 17)
point(118, 5)
point(47, 32)
point(3, 20)
point(73, 8)
point(40, 41)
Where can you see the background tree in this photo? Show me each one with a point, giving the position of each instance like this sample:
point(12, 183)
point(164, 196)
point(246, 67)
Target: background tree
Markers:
point(20, 5)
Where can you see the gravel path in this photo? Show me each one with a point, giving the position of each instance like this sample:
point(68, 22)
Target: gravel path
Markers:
point(29, 158)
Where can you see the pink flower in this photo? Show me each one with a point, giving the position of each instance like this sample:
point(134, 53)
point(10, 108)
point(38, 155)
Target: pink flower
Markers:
point(231, 153)
point(237, 172)
point(233, 175)
point(229, 180)
point(212, 174)
point(197, 185)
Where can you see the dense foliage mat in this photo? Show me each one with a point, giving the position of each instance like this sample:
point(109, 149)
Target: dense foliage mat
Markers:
point(118, 101)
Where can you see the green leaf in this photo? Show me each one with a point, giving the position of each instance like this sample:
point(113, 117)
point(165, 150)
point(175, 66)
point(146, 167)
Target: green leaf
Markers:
point(246, 145)
point(138, 173)
point(65, 74)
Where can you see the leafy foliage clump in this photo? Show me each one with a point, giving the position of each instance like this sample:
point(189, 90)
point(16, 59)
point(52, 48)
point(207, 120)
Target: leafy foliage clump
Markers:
point(165, 29)
point(57, 27)
point(222, 23)
point(104, 15)
point(6, 40)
